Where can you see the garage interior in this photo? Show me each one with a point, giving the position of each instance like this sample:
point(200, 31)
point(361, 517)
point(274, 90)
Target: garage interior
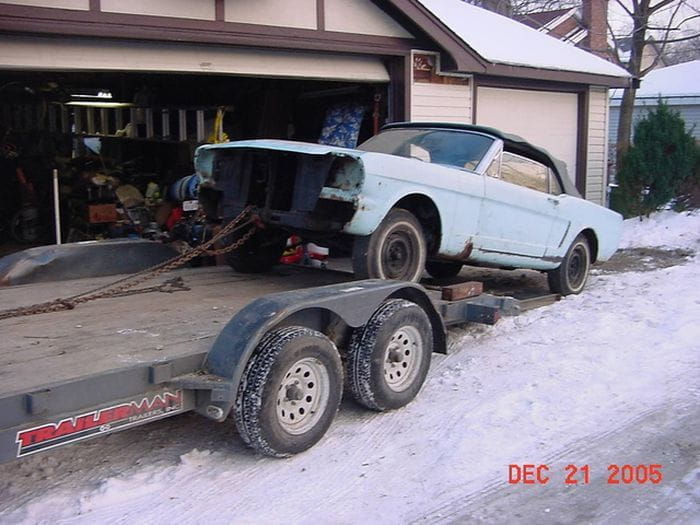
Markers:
point(123, 144)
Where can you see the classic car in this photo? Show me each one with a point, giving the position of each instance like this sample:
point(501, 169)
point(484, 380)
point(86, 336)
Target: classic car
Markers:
point(417, 196)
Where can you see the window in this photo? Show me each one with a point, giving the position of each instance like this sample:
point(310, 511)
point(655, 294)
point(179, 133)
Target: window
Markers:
point(494, 169)
point(554, 184)
point(524, 172)
point(461, 149)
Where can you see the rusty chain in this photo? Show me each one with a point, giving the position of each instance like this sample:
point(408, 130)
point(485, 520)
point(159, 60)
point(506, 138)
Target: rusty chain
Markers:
point(118, 287)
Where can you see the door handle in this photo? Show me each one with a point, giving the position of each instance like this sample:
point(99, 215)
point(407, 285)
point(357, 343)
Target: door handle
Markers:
point(553, 200)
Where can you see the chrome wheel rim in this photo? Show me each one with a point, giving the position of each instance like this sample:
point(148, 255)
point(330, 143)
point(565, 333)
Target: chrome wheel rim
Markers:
point(402, 358)
point(302, 396)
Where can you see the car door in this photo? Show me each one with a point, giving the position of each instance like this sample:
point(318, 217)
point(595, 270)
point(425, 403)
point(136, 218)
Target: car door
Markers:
point(518, 212)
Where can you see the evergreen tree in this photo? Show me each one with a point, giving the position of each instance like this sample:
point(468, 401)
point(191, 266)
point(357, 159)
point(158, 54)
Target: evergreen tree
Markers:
point(659, 164)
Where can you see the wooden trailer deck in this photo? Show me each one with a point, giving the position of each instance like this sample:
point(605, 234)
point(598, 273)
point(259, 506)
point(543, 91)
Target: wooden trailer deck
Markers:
point(116, 333)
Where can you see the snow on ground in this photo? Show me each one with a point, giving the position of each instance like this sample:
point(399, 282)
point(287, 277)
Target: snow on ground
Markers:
point(667, 228)
point(538, 388)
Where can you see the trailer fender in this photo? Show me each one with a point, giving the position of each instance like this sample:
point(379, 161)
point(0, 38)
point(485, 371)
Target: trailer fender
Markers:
point(352, 302)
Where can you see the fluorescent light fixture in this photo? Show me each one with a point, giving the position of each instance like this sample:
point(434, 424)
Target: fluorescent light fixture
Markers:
point(97, 104)
point(101, 94)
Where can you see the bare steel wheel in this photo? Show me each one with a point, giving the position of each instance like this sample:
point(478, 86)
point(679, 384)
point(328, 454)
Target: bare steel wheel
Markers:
point(402, 358)
point(395, 250)
point(572, 274)
point(303, 395)
point(389, 357)
point(290, 391)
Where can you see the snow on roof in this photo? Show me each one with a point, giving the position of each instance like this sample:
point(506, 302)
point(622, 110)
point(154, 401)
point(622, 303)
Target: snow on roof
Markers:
point(504, 41)
point(542, 18)
point(681, 79)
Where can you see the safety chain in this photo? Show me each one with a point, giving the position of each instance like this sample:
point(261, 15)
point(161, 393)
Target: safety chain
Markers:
point(118, 287)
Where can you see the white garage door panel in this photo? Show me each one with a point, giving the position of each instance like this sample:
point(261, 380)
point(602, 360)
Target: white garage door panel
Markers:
point(47, 53)
point(545, 119)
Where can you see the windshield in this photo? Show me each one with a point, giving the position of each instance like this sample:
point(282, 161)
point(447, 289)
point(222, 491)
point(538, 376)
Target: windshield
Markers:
point(462, 149)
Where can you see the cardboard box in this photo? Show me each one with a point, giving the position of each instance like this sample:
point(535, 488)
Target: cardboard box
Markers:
point(101, 213)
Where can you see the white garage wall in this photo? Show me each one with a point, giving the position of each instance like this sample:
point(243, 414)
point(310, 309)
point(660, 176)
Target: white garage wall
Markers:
point(441, 102)
point(543, 118)
point(597, 160)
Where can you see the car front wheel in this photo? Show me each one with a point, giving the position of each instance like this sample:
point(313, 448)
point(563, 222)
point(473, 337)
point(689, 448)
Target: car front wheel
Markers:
point(396, 250)
point(572, 274)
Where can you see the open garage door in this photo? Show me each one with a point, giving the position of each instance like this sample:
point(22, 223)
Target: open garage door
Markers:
point(39, 53)
point(546, 119)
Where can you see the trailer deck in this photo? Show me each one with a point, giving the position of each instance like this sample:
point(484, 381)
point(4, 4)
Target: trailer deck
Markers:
point(120, 332)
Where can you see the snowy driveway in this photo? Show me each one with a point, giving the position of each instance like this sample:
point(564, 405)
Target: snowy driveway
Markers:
point(611, 376)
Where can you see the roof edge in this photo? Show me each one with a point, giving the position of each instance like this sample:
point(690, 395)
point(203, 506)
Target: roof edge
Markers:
point(464, 57)
point(467, 60)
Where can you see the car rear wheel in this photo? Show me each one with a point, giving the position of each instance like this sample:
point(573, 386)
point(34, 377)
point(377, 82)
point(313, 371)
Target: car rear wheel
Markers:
point(396, 250)
point(572, 274)
point(443, 269)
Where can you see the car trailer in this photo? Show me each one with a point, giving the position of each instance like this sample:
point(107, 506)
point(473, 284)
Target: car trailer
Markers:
point(274, 351)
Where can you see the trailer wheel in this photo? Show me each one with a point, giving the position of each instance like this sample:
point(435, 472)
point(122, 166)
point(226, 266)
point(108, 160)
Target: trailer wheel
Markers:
point(262, 251)
point(389, 357)
point(571, 275)
point(290, 392)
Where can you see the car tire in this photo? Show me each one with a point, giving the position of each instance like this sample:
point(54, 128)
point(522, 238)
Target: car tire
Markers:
point(395, 250)
point(571, 276)
point(259, 254)
point(389, 357)
point(290, 392)
point(443, 269)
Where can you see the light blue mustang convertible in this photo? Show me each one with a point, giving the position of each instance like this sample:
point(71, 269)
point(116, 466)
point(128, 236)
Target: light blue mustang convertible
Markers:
point(416, 196)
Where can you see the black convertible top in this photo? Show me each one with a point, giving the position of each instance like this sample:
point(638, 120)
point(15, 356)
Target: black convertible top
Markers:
point(512, 143)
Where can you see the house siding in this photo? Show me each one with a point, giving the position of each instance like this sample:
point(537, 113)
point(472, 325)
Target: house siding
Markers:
point(201, 10)
point(361, 17)
point(438, 97)
point(441, 102)
point(690, 113)
point(597, 146)
point(283, 13)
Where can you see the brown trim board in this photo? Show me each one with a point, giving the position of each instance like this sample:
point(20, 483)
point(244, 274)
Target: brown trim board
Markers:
point(220, 11)
point(321, 15)
point(64, 22)
point(582, 145)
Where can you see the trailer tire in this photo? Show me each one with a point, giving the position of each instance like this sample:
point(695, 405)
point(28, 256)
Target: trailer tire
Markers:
point(290, 392)
point(262, 251)
point(389, 357)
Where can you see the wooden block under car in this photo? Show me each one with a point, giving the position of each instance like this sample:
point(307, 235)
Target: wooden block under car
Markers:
point(101, 213)
point(455, 292)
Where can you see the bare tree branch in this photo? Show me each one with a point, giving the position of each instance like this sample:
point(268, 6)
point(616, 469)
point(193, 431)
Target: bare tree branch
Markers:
point(663, 3)
point(624, 7)
point(616, 44)
point(683, 39)
point(661, 51)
